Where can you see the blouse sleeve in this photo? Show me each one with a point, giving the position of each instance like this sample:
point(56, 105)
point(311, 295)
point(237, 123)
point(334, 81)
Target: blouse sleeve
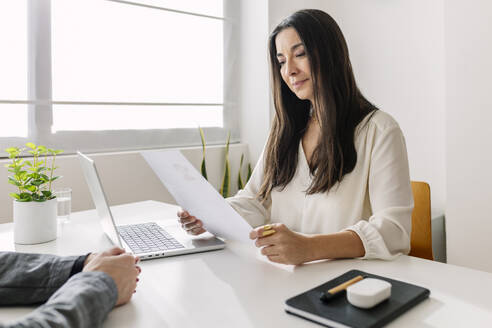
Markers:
point(386, 234)
point(245, 202)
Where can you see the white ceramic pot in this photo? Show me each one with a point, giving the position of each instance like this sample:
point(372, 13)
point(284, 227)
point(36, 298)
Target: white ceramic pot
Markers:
point(34, 222)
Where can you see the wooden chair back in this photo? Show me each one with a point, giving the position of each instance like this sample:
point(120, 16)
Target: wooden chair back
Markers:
point(421, 238)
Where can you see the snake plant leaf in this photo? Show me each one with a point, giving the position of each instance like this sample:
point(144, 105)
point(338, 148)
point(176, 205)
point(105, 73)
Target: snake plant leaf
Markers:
point(224, 189)
point(202, 137)
point(240, 184)
point(250, 171)
point(203, 167)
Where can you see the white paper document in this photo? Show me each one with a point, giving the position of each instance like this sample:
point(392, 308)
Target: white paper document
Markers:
point(194, 194)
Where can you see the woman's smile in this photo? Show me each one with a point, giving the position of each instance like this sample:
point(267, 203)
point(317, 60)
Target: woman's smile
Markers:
point(298, 84)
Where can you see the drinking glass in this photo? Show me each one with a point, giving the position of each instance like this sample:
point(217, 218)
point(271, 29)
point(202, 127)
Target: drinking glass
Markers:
point(64, 200)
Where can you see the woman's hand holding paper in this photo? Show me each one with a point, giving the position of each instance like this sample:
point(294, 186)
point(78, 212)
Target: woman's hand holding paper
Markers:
point(190, 224)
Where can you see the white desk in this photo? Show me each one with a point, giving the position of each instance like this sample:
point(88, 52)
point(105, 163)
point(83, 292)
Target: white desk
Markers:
point(232, 288)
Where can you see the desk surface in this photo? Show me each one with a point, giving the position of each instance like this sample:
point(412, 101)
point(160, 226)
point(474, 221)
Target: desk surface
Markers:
point(233, 287)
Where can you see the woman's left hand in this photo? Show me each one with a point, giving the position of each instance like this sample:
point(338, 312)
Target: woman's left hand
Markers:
point(283, 246)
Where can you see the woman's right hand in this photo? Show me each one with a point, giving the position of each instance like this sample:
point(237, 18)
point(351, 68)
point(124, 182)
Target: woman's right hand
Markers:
point(190, 224)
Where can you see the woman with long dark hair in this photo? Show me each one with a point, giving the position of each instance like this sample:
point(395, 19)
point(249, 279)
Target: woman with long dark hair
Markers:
point(333, 179)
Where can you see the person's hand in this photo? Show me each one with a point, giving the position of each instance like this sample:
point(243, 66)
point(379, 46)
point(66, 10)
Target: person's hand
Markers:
point(283, 245)
point(120, 266)
point(190, 224)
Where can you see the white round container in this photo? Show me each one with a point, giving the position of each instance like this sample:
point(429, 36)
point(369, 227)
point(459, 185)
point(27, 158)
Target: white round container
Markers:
point(34, 222)
point(368, 292)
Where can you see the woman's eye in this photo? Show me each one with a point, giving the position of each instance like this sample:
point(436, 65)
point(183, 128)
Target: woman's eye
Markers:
point(281, 63)
point(300, 54)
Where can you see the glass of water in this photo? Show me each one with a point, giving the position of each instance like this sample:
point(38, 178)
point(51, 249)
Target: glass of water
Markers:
point(64, 200)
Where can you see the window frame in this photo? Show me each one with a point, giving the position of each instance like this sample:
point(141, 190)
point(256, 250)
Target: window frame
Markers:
point(39, 93)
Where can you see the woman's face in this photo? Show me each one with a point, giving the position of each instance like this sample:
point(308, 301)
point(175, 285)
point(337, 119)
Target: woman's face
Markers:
point(294, 64)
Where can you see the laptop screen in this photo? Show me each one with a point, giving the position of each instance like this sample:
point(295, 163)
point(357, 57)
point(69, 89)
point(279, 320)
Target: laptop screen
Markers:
point(99, 198)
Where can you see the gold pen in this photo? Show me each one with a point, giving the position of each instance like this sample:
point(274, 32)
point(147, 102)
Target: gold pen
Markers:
point(338, 290)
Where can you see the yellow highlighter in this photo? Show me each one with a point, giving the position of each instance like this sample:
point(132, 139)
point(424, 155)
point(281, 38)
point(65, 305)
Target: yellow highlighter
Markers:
point(267, 231)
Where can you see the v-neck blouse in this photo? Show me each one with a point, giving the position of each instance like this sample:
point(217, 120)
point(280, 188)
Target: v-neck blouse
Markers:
point(374, 200)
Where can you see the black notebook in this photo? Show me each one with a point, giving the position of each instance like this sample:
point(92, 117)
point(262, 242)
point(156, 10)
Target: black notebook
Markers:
point(339, 312)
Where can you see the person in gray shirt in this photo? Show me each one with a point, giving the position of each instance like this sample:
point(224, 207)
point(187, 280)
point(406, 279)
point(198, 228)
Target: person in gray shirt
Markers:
point(78, 291)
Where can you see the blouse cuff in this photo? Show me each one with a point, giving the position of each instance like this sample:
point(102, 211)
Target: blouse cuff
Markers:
point(373, 242)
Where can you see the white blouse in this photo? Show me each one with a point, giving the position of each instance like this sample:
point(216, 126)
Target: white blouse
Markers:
point(374, 200)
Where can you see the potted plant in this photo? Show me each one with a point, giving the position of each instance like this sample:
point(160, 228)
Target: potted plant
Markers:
point(34, 203)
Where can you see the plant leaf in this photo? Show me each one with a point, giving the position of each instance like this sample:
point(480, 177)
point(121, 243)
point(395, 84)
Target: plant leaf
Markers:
point(14, 182)
point(203, 169)
point(31, 188)
point(250, 171)
point(12, 150)
point(202, 137)
point(227, 143)
point(224, 189)
point(37, 182)
point(31, 145)
point(25, 197)
point(46, 193)
point(14, 195)
point(240, 184)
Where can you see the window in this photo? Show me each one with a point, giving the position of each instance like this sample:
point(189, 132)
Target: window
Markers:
point(110, 75)
point(13, 69)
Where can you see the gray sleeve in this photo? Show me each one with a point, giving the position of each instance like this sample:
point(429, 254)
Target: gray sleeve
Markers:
point(84, 301)
point(32, 278)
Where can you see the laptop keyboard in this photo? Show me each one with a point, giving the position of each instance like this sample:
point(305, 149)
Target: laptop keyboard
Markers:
point(147, 238)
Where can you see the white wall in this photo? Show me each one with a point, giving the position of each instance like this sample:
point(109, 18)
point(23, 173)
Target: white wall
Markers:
point(255, 92)
point(468, 27)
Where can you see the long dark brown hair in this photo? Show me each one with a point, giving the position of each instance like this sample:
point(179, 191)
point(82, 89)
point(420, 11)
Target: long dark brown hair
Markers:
point(339, 107)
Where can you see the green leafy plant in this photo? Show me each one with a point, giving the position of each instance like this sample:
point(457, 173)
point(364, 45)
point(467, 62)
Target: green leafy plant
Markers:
point(224, 189)
point(203, 167)
point(32, 178)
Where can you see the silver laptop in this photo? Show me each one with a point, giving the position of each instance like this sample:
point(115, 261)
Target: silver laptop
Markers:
point(146, 240)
